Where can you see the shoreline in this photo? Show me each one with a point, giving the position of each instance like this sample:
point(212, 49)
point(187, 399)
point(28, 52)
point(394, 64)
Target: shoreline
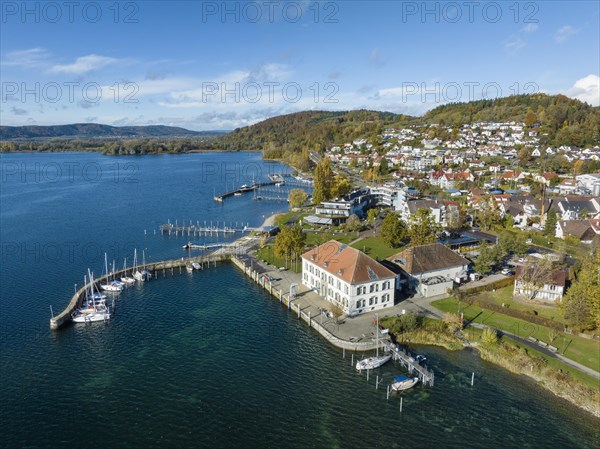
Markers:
point(543, 376)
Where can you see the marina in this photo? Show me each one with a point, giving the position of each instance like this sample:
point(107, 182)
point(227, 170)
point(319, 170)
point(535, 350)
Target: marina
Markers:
point(155, 268)
point(161, 367)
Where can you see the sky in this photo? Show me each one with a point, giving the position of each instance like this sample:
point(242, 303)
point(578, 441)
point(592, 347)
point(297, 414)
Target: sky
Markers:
point(216, 65)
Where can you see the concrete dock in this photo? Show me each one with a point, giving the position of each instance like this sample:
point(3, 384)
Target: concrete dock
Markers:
point(154, 268)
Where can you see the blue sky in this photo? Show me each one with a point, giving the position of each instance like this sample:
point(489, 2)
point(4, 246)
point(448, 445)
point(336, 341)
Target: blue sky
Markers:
point(218, 65)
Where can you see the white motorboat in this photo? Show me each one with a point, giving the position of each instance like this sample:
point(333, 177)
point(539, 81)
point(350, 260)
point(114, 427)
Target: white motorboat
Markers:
point(404, 383)
point(196, 266)
point(189, 268)
point(372, 362)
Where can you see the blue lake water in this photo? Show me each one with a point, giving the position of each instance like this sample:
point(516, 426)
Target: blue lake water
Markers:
point(206, 359)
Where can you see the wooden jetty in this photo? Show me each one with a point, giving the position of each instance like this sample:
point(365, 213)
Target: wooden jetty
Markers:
point(198, 229)
point(154, 268)
point(401, 355)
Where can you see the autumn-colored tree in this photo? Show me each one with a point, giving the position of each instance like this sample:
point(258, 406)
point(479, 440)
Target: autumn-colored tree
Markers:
point(290, 242)
point(297, 197)
point(579, 167)
point(530, 118)
point(323, 182)
point(341, 187)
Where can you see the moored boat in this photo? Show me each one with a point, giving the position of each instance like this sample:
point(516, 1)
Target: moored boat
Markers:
point(373, 362)
point(403, 382)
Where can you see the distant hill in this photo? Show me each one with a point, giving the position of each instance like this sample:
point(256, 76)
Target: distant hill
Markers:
point(561, 120)
point(291, 137)
point(96, 131)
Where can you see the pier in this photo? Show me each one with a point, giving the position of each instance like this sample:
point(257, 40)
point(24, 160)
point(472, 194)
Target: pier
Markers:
point(241, 190)
point(154, 268)
point(276, 179)
point(402, 356)
point(197, 229)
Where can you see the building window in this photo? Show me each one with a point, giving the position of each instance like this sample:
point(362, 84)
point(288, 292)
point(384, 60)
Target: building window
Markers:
point(346, 289)
point(372, 288)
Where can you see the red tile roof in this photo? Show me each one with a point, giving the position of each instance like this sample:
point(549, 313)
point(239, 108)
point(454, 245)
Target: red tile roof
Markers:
point(347, 263)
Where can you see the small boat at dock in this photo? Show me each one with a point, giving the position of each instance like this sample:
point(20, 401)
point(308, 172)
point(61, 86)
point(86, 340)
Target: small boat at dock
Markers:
point(403, 382)
point(373, 362)
point(189, 268)
point(196, 266)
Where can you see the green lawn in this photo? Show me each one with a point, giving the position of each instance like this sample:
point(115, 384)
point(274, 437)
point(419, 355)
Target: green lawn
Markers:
point(579, 349)
point(376, 248)
point(505, 296)
point(267, 255)
point(313, 239)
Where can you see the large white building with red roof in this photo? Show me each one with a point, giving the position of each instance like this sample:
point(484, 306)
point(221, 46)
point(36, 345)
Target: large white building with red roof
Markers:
point(348, 278)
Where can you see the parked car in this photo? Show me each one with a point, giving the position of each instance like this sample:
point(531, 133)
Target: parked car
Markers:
point(507, 272)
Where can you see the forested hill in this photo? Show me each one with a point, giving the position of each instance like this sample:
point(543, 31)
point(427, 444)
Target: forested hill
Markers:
point(562, 120)
point(94, 130)
point(286, 136)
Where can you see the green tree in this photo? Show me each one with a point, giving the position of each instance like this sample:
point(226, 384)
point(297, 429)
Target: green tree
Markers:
point(297, 197)
point(422, 228)
point(323, 182)
point(581, 304)
point(392, 231)
point(550, 225)
point(485, 260)
point(372, 215)
point(384, 166)
point(290, 242)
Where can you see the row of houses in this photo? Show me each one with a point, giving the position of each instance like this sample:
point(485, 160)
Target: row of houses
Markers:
point(356, 283)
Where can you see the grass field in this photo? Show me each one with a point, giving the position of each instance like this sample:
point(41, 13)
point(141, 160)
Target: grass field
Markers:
point(375, 248)
point(582, 350)
point(267, 255)
point(505, 296)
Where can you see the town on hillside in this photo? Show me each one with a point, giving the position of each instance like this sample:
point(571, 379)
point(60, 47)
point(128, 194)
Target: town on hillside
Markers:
point(481, 207)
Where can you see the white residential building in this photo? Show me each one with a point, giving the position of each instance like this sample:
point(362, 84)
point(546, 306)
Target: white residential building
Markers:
point(348, 278)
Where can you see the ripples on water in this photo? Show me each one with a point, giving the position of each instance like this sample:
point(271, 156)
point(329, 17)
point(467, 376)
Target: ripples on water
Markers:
point(209, 360)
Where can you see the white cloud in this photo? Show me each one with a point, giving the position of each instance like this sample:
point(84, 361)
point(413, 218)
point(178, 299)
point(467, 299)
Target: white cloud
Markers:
point(564, 33)
point(375, 58)
point(530, 28)
point(84, 64)
point(33, 57)
point(586, 89)
point(513, 44)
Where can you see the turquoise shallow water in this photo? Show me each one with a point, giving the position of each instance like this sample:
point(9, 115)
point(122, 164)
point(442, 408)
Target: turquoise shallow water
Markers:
point(208, 359)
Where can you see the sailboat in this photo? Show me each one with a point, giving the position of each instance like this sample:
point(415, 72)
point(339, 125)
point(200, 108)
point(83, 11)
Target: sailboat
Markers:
point(135, 272)
point(94, 307)
point(126, 279)
point(110, 286)
point(145, 273)
point(376, 361)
